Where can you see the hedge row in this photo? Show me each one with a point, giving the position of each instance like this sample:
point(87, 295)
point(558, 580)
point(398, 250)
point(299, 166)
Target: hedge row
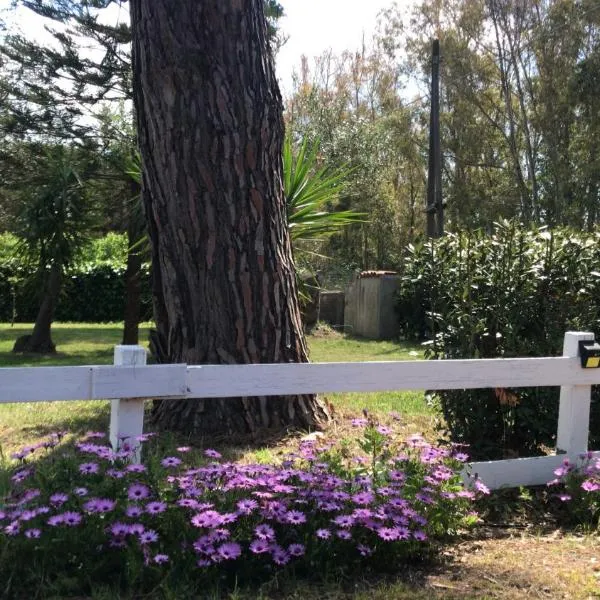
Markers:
point(509, 294)
point(90, 294)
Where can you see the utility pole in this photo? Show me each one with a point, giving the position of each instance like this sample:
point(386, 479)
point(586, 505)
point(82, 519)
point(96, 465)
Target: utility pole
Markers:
point(434, 205)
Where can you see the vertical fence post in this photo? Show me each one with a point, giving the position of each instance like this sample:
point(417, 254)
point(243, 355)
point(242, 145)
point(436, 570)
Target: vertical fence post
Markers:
point(127, 414)
point(574, 407)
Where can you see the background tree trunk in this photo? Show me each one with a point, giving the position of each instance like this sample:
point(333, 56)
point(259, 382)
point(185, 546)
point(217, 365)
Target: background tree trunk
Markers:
point(40, 339)
point(133, 288)
point(211, 132)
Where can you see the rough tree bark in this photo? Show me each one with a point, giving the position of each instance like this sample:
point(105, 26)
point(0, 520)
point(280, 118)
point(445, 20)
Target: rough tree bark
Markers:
point(210, 127)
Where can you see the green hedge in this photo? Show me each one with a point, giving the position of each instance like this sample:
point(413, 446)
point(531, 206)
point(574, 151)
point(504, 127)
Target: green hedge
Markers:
point(512, 293)
point(95, 293)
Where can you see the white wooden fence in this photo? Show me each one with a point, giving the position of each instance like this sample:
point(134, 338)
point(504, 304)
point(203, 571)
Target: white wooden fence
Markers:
point(130, 381)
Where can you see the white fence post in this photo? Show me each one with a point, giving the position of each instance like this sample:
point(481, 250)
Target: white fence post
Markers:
point(127, 414)
point(574, 407)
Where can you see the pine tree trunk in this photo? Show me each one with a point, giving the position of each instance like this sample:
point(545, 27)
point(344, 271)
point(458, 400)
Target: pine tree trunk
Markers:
point(210, 129)
point(40, 340)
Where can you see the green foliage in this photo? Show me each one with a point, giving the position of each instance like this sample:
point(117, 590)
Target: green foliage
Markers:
point(56, 216)
point(510, 294)
point(82, 515)
point(93, 288)
point(110, 249)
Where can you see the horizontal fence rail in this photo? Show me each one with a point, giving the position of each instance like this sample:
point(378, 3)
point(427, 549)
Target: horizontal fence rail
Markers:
point(42, 384)
point(129, 381)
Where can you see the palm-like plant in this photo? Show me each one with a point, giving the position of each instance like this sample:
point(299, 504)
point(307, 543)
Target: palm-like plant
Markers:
point(53, 226)
point(311, 193)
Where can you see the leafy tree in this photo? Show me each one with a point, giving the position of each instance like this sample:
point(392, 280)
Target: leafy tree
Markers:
point(53, 226)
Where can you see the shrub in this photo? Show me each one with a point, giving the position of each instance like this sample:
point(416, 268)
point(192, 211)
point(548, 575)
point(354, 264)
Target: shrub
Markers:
point(512, 293)
point(83, 515)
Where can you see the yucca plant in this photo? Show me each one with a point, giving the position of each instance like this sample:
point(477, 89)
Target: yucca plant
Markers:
point(311, 194)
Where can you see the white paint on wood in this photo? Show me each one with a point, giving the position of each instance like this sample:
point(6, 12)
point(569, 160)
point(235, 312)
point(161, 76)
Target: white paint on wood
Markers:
point(153, 381)
point(127, 414)
point(221, 381)
point(517, 472)
point(574, 407)
point(44, 384)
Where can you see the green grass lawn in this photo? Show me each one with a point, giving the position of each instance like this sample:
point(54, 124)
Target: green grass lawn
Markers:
point(93, 343)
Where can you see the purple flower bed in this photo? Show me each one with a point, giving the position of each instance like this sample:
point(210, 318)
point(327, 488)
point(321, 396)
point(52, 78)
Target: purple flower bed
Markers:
point(84, 510)
point(578, 486)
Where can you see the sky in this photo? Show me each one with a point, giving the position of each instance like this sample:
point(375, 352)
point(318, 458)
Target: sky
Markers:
point(312, 26)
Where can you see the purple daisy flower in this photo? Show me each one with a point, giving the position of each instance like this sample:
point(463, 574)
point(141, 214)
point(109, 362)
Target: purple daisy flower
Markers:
point(80, 491)
point(295, 517)
point(27, 515)
point(296, 549)
point(230, 551)
point(119, 529)
point(160, 559)
point(58, 499)
point(344, 521)
point(135, 468)
point(88, 468)
point(383, 430)
point(149, 536)
point(115, 473)
point(136, 529)
point(187, 503)
point(323, 534)
point(134, 511)
point(170, 461)
point(138, 491)
point(212, 453)
point(55, 520)
point(71, 518)
point(33, 533)
point(209, 518)
point(21, 475)
point(184, 449)
point(364, 550)
point(589, 485)
point(259, 546)
point(280, 556)
point(343, 534)
point(363, 498)
point(420, 536)
point(155, 508)
point(481, 487)
point(246, 507)
point(13, 528)
point(264, 532)
point(99, 505)
point(388, 534)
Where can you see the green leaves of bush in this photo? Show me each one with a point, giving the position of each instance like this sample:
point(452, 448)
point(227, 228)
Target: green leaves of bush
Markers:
point(510, 293)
